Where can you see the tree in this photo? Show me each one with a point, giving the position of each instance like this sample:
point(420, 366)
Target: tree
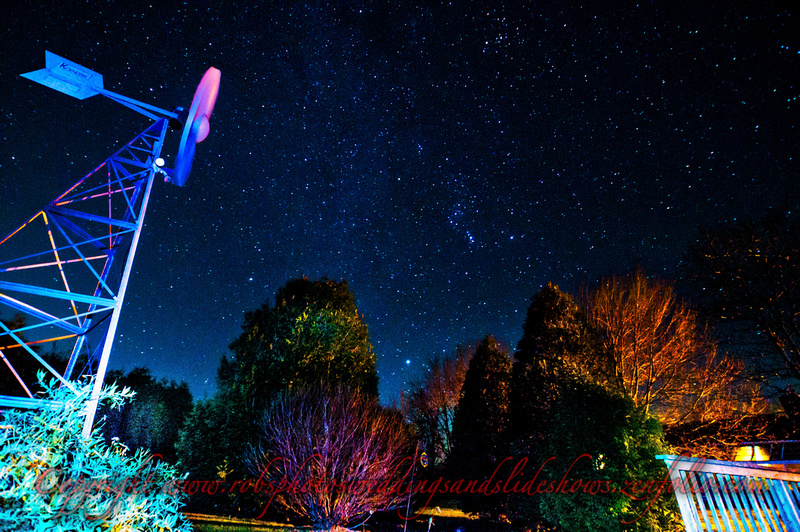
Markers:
point(331, 455)
point(746, 276)
point(557, 334)
point(210, 447)
point(601, 444)
point(154, 418)
point(660, 356)
point(212, 443)
point(564, 406)
point(313, 333)
point(481, 419)
point(431, 404)
point(556, 341)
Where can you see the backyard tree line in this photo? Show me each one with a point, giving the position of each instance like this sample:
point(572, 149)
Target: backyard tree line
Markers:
point(600, 382)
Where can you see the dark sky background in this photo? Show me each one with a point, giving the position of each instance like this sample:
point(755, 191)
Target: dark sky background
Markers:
point(446, 161)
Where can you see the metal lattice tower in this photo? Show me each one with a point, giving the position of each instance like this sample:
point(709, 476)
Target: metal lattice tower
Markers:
point(64, 272)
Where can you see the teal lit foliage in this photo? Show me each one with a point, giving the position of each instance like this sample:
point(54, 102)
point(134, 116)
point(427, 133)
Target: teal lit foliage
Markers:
point(622, 442)
point(480, 422)
point(51, 478)
point(152, 420)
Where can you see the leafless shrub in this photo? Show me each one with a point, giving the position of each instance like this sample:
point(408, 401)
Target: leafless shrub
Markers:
point(331, 455)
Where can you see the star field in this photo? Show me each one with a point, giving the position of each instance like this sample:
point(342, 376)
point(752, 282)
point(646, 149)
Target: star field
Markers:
point(447, 161)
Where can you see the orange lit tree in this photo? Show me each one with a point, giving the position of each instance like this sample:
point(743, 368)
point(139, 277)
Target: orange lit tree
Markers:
point(659, 355)
point(432, 402)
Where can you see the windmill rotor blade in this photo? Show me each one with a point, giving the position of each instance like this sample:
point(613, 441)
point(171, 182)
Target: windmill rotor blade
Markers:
point(197, 126)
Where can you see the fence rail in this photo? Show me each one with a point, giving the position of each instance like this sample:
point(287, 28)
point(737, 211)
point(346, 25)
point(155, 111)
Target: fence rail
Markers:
point(735, 496)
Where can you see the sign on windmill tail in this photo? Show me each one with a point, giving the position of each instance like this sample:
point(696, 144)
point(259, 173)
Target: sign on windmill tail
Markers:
point(65, 76)
point(63, 289)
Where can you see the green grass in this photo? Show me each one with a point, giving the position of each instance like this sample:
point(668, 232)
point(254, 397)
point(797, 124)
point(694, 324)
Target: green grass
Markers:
point(444, 519)
point(211, 523)
point(223, 527)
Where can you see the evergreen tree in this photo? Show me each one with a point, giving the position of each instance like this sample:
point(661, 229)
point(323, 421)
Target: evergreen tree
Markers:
point(313, 334)
point(479, 425)
point(210, 448)
point(556, 341)
point(564, 405)
point(601, 444)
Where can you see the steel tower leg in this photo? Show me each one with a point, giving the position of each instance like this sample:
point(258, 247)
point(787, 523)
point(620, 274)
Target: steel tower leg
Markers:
point(59, 271)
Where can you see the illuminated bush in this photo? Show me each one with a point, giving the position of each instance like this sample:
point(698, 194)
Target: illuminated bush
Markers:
point(605, 473)
point(51, 478)
point(331, 456)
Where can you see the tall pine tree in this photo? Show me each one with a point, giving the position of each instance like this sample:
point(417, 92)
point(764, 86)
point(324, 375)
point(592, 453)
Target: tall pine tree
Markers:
point(555, 341)
point(479, 425)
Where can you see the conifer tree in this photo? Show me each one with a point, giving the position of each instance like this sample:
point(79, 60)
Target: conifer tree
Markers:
point(556, 341)
point(598, 443)
point(480, 422)
point(313, 334)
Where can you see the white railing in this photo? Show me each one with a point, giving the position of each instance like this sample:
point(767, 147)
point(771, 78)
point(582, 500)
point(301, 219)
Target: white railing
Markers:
point(735, 496)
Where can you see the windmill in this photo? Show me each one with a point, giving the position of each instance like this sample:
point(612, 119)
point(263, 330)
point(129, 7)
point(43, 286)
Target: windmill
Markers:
point(65, 271)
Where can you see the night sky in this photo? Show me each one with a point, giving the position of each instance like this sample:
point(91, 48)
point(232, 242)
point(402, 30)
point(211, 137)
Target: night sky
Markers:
point(446, 161)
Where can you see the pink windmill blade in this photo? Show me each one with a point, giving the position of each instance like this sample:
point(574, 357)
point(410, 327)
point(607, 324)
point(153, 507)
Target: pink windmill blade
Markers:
point(197, 125)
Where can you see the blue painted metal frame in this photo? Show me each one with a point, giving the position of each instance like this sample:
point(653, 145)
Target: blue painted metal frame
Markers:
point(65, 271)
point(735, 496)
